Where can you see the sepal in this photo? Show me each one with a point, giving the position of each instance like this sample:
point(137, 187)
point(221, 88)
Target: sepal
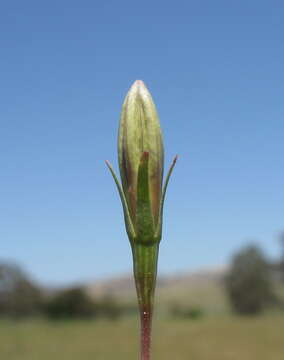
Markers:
point(144, 217)
point(158, 233)
point(128, 222)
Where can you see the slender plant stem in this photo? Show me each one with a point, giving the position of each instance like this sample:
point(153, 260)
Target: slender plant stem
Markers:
point(145, 273)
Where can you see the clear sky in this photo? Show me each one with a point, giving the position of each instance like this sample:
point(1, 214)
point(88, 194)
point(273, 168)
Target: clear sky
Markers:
point(215, 70)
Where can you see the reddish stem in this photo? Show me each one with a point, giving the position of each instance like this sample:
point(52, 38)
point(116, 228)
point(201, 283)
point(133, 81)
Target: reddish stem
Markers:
point(146, 324)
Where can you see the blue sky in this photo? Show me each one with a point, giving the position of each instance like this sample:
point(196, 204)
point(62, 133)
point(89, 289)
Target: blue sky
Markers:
point(215, 70)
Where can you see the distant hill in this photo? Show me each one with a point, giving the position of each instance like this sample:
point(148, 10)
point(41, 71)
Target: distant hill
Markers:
point(202, 288)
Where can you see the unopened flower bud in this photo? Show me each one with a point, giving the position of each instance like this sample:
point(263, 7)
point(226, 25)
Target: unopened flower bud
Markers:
point(141, 153)
point(141, 164)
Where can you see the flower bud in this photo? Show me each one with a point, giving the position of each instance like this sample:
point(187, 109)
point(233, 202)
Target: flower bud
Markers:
point(141, 164)
point(140, 144)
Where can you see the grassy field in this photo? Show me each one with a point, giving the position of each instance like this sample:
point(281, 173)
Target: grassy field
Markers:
point(210, 338)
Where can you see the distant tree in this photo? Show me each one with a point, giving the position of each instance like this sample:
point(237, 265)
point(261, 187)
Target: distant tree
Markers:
point(19, 296)
point(108, 307)
point(70, 303)
point(248, 282)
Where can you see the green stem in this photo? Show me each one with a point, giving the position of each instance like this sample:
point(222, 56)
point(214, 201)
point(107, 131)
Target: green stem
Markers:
point(145, 258)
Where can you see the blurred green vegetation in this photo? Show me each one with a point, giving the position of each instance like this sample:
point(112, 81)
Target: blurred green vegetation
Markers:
point(210, 338)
